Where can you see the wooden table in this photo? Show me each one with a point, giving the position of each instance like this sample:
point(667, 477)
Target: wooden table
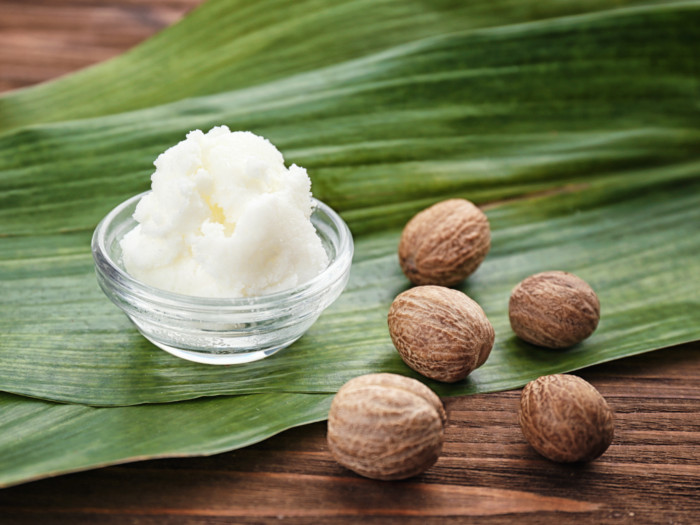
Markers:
point(651, 473)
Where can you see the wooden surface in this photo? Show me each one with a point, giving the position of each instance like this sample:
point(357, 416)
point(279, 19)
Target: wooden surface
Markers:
point(651, 473)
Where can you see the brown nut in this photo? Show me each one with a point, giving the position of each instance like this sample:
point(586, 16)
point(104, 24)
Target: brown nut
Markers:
point(565, 418)
point(439, 332)
point(386, 426)
point(444, 243)
point(553, 309)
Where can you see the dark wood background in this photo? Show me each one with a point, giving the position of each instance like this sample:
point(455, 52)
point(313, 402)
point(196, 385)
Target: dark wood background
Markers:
point(487, 472)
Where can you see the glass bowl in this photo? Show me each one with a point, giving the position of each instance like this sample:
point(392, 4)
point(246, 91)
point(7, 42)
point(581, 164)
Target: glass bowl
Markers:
point(214, 330)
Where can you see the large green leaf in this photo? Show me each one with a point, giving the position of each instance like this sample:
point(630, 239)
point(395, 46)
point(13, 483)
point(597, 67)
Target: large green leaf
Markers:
point(491, 114)
point(578, 134)
point(65, 341)
point(234, 44)
point(41, 439)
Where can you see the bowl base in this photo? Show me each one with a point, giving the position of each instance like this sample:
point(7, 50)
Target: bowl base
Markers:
point(222, 357)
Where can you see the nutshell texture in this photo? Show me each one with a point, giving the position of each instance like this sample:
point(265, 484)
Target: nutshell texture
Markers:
point(554, 310)
point(386, 426)
point(565, 418)
point(439, 332)
point(444, 243)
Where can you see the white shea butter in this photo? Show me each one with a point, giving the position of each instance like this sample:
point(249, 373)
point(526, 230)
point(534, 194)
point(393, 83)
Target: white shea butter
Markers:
point(225, 218)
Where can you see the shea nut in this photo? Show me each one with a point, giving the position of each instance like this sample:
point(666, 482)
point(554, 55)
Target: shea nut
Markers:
point(565, 418)
point(386, 426)
point(553, 309)
point(444, 243)
point(439, 332)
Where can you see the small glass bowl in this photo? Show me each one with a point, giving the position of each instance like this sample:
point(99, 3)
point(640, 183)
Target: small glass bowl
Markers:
point(214, 330)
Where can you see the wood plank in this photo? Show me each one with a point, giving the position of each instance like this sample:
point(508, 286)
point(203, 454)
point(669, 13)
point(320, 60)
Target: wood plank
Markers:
point(650, 474)
point(40, 40)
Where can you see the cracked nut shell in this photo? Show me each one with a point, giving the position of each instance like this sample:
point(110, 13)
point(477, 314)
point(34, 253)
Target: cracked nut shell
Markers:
point(386, 426)
point(553, 309)
point(565, 418)
point(445, 243)
point(439, 332)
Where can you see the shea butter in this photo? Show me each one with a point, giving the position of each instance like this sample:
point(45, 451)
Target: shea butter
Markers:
point(225, 218)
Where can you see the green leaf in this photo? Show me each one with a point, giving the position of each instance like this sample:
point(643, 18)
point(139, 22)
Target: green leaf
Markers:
point(493, 133)
point(636, 247)
point(41, 438)
point(578, 135)
point(236, 44)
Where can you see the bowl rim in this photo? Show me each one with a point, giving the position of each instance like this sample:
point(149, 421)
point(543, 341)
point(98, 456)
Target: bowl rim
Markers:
point(120, 278)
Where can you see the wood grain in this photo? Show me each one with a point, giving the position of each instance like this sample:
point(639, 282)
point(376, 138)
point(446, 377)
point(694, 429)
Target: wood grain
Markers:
point(650, 474)
point(44, 39)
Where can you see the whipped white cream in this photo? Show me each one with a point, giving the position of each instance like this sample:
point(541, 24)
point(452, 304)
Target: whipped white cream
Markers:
point(225, 218)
